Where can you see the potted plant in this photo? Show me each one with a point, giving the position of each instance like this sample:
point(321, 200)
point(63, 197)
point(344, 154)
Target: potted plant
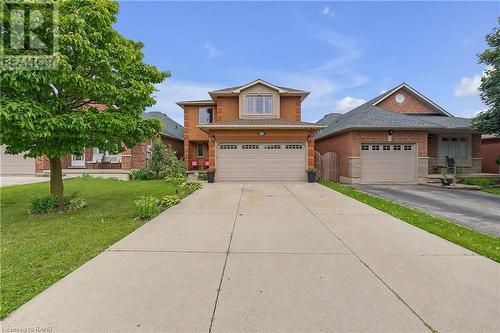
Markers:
point(446, 177)
point(311, 175)
point(210, 175)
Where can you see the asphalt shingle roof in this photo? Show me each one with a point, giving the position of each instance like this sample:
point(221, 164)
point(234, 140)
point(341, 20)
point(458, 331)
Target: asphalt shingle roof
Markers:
point(328, 118)
point(373, 117)
point(170, 127)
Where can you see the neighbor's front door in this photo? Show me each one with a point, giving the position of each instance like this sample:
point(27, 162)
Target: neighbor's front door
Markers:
point(77, 160)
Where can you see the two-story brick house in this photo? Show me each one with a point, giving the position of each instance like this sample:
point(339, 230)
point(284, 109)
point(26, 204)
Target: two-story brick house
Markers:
point(249, 132)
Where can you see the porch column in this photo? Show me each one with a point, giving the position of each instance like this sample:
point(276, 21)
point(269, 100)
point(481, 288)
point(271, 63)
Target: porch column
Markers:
point(186, 153)
point(211, 153)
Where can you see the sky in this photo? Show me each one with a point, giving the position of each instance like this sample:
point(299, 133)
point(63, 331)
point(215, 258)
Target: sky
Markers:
point(344, 53)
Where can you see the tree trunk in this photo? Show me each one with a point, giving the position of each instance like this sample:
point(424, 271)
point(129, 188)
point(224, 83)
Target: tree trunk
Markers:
point(56, 181)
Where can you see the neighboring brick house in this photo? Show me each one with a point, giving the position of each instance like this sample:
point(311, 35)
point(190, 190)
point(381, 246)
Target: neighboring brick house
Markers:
point(249, 132)
point(172, 134)
point(399, 137)
point(490, 151)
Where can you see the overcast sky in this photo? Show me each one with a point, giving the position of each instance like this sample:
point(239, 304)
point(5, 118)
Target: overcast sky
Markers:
point(344, 53)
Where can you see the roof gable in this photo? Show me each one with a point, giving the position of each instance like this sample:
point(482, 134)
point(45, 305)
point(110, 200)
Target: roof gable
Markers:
point(384, 101)
point(256, 82)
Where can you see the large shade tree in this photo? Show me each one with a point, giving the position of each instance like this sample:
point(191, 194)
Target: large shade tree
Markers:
point(488, 121)
point(54, 113)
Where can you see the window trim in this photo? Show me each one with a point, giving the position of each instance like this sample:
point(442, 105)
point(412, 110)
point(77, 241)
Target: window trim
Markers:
point(198, 150)
point(205, 108)
point(460, 162)
point(261, 91)
point(254, 104)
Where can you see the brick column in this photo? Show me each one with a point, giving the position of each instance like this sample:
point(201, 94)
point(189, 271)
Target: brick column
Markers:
point(211, 153)
point(42, 163)
point(310, 151)
point(186, 153)
point(127, 159)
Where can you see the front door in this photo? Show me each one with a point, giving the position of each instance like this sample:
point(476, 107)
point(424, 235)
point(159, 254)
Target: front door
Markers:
point(78, 161)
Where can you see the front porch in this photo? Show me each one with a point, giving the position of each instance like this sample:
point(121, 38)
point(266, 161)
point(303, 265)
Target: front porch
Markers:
point(463, 147)
point(196, 155)
point(435, 178)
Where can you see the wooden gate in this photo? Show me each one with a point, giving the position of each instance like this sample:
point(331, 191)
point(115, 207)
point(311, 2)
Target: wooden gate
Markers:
point(327, 166)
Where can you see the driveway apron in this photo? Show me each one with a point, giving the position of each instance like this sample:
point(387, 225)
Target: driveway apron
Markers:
point(273, 257)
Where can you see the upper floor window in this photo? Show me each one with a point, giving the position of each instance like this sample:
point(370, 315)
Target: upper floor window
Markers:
point(259, 104)
point(206, 115)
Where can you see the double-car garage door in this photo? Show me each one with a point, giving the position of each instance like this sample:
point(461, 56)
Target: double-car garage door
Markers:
point(388, 163)
point(261, 161)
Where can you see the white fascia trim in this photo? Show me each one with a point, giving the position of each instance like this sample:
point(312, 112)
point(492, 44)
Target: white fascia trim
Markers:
point(416, 93)
point(259, 126)
point(237, 91)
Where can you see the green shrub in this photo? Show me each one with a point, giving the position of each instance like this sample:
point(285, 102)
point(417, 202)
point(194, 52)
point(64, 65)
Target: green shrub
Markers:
point(44, 205)
point(49, 204)
point(140, 174)
point(157, 164)
point(169, 201)
point(202, 175)
point(483, 182)
point(147, 207)
point(74, 202)
point(191, 187)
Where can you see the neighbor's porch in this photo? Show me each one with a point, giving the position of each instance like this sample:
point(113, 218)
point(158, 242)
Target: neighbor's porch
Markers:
point(463, 147)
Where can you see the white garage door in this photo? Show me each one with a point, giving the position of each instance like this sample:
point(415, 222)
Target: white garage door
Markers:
point(261, 161)
point(16, 164)
point(388, 163)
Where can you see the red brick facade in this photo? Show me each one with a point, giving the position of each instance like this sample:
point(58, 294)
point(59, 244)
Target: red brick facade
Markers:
point(226, 109)
point(347, 144)
point(411, 104)
point(135, 158)
point(490, 152)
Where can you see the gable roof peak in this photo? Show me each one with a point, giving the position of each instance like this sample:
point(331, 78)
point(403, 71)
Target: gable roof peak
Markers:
point(388, 93)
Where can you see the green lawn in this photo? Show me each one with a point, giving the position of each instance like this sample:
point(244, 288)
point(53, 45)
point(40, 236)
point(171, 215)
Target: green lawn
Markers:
point(37, 251)
point(492, 190)
point(482, 244)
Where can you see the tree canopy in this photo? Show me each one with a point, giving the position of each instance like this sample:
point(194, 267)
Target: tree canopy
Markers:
point(488, 121)
point(54, 113)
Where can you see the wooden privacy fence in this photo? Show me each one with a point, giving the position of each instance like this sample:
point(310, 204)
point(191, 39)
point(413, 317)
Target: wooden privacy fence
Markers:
point(327, 166)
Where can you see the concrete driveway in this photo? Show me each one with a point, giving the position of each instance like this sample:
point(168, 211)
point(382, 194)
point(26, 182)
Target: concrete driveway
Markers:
point(264, 257)
point(472, 209)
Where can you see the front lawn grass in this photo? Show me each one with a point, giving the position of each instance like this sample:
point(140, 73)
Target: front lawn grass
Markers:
point(37, 251)
point(488, 246)
point(492, 190)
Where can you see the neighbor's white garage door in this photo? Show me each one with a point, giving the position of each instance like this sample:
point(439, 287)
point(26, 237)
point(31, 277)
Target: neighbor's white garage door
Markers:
point(261, 161)
point(388, 163)
point(15, 164)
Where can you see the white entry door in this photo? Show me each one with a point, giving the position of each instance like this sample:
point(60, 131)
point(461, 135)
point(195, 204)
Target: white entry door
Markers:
point(78, 161)
point(261, 161)
point(388, 163)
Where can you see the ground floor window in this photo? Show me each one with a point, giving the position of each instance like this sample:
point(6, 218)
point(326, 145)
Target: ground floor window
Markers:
point(456, 147)
point(200, 150)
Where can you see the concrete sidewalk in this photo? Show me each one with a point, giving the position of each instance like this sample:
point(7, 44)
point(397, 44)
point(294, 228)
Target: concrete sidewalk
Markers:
point(301, 258)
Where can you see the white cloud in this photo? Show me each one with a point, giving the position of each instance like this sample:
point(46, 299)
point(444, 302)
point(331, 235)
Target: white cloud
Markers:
point(348, 103)
point(468, 86)
point(467, 41)
point(212, 51)
point(171, 91)
point(324, 79)
point(327, 11)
